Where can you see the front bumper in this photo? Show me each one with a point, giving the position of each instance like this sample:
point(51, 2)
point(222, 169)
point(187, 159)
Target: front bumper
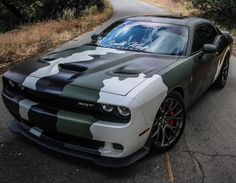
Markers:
point(89, 135)
point(16, 127)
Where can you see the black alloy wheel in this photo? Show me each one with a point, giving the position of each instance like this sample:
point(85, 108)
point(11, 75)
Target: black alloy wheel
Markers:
point(169, 123)
point(223, 76)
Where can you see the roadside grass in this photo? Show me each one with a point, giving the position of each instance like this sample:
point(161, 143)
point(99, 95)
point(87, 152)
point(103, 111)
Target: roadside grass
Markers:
point(29, 41)
point(175, 7)
point(185, 8)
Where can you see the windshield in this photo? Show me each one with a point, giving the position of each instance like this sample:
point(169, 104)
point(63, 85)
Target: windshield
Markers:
point(146, 37)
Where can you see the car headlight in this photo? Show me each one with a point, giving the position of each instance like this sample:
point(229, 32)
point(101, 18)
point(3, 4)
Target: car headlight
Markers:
point(15, 85)
point(107, 107)
point(120, 111)
point(123, 111)
point(11, 83)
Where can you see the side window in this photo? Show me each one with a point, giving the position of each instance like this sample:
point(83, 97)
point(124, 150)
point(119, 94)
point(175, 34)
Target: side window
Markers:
point(204, 34)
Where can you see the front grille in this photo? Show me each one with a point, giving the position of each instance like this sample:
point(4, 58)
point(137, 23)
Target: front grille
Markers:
point(76, 143)
point(55, 101)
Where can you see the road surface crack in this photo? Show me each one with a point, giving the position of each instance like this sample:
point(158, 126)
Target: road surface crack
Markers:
point(210, 155)
point(198, 164)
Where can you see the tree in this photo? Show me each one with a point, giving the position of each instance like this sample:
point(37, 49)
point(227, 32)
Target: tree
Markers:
point(15, 12)
point(223, 8)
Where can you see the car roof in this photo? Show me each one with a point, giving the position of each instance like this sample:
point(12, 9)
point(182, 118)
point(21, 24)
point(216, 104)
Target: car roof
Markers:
point(177, 20)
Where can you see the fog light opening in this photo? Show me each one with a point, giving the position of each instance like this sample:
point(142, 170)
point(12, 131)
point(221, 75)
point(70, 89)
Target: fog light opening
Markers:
point(118, 146)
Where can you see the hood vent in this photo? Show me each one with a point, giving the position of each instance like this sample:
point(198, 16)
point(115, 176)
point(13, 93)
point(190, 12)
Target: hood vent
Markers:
point(134, 69)
point(73, 67)
point(47, 59)
point(126, 71)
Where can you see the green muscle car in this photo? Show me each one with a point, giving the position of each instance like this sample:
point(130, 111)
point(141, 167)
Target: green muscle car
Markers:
point(124, 93)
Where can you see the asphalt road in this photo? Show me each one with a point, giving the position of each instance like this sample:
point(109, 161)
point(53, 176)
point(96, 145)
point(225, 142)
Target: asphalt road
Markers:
point(205, 153)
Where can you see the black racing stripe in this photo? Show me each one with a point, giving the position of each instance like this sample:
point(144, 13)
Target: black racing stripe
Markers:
point(68, 52)
point(68, 72)
point(55, 84)
point(11, 105)
point(21, 71)
point(42, 117)
point(77, 143)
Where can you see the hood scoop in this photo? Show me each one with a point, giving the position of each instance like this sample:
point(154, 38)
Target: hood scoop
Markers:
point(126, 70)
point(144, 65)
point(48, 59)
point(134, 68)
point(73, 67)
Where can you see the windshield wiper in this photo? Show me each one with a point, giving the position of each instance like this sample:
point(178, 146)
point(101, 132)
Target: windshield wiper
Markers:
point(120, 48)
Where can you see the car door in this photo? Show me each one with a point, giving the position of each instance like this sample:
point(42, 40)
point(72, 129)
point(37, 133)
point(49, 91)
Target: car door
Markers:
point(202, 68)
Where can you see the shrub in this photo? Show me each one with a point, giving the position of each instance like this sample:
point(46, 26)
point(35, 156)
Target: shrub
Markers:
point(14, 13)
point(224, 8)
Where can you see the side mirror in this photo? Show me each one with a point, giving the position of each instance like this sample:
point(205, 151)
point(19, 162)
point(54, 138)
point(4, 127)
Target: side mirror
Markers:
point(209, 48)
point(94, 36)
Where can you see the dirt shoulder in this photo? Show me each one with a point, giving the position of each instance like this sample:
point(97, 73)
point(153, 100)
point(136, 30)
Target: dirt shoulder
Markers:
point(234, 48)
point(31, 40)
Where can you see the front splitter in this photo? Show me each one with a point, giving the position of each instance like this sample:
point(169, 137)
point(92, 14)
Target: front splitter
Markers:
point(99, 160)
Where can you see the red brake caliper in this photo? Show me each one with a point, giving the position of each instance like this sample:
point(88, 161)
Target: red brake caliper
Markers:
point(171, 122)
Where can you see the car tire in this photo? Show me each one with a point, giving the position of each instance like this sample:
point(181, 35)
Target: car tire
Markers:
point(223, 76)
point(169, 123)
